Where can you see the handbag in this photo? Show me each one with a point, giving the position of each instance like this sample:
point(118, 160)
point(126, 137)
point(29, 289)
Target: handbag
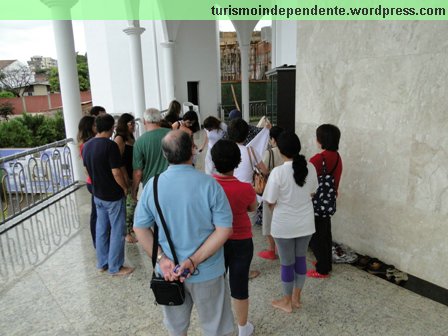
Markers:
point(167, 293)
point(324, 200)
point(259, 179)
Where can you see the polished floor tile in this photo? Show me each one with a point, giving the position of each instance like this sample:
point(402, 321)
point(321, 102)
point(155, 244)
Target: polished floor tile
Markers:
point(50, 286)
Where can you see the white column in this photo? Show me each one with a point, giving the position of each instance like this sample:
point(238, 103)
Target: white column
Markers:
point(168, 48)
point(138, 86)
point(68, 76)
point(244, 49)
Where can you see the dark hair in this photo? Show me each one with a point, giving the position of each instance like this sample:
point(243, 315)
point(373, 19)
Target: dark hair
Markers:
point(177, 146)
point(173, 113)
point(238, 130)
point(192, 116)
point(226, 156)
point(85, 131)
point(212, 123)
point(275, 131)
point(289, 145)
point(95, 110)
point(104, 123)
point(328, 136)
point(122, 127)
point(235, 114)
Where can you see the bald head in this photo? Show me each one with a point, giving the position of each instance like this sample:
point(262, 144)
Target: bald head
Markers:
point(177, 147)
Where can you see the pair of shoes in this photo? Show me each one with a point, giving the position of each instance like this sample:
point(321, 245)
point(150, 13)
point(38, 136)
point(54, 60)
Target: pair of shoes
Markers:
point(124, 270)
point(102, 270)
point(316, 274)
point(267, 254)
point(395, 275)
point(253, 274)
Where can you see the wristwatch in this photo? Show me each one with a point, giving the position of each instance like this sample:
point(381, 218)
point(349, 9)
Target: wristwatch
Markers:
point(160, 256)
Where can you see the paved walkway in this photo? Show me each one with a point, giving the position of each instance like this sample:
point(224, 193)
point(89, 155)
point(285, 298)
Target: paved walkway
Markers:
point(49, 286)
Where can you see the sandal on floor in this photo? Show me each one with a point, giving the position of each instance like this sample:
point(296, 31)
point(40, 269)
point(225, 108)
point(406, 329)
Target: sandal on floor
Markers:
point(316, 274)
point(363, 261)
point(396, 276)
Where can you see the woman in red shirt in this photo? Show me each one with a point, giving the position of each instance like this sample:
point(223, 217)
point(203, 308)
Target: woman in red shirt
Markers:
point(239, 249)
point(328, 137)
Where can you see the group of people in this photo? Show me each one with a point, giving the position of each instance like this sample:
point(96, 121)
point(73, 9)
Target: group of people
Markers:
point(209, 216)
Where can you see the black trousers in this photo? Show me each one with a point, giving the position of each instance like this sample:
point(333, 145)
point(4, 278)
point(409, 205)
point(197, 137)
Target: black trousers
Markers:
point(92, 216)
point(321, 245)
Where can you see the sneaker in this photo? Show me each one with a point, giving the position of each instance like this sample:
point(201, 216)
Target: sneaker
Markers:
point(267, 254)
point(316, 274)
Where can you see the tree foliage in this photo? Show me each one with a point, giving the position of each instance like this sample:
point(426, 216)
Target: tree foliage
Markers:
point(15, 79)
point(83, 75)
point(6, 109)
point(32, 130)
point(6, 94)
point(14, 135)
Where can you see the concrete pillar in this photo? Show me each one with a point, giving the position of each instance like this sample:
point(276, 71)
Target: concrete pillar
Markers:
point(168, 48)
point(138, 86)
point(244, 49)
point(68, 76)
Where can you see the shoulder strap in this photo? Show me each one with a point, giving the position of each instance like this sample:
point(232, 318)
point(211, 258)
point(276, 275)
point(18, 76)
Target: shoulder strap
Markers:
point(250, 157)
point(271, 160)
point(156, 233)
point(336, 165)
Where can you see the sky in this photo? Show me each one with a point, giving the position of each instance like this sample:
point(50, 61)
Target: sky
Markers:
point(22, 39)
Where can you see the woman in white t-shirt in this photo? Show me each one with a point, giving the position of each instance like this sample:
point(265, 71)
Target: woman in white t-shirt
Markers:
point(289, 193)
point(215, 130)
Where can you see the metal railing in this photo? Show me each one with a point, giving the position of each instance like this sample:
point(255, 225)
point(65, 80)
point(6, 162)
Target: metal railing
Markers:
point(31, 177)
point(257, 109)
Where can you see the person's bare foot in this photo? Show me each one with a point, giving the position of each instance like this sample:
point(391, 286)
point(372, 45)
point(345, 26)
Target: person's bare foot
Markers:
point(253, 274)
point(295, 300)
point(130, 239)
point(124, 270)
point(283, 304)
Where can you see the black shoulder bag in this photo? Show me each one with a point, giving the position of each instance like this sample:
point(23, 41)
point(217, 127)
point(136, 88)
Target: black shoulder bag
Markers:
point(167, 293)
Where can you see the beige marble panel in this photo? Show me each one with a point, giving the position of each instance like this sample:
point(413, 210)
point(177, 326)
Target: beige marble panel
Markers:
point(385, 84)
point(349, 40)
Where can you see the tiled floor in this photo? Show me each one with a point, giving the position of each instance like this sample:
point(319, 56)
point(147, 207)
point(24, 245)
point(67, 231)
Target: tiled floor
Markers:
point(49, 286)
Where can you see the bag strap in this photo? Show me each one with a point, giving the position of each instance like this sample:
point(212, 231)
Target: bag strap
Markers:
point(324, 166)
point(156, 229)
point(250, 157)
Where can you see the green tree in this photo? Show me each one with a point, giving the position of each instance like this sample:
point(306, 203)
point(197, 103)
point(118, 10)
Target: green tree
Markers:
point(6, 109)
point(14, 134)
point(83, 75)
point(6, 94)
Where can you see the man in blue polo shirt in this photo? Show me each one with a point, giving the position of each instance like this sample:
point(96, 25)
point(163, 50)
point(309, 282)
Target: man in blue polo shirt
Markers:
point(103, 162)
point(199, 220)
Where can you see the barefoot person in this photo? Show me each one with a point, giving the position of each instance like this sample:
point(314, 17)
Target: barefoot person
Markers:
point(288, 192)
point(103, 163)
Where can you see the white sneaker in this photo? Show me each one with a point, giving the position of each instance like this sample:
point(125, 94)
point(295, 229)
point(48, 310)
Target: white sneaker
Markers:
point(246, 330)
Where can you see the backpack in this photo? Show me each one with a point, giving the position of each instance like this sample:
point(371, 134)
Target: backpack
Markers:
point(324, 200)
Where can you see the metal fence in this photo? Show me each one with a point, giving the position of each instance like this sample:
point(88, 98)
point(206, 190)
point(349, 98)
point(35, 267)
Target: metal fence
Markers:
point(31, 177)
point(257, 109)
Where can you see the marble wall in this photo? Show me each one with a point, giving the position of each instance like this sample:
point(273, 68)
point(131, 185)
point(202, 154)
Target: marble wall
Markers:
point(385, 85)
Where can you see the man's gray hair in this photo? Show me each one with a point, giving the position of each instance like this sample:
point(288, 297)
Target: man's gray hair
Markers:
point(152, 115)
point(177, 147)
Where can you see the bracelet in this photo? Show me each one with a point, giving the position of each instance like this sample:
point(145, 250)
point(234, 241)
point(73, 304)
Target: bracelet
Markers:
point(194, 267)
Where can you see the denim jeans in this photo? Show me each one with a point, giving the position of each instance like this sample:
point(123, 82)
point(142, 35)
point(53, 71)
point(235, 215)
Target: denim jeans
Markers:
point(110, 233)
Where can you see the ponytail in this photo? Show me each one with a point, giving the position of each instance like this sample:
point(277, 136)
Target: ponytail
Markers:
point(299, 165)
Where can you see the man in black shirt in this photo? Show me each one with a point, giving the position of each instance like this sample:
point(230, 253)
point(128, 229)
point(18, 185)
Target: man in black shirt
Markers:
point(103, 162)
